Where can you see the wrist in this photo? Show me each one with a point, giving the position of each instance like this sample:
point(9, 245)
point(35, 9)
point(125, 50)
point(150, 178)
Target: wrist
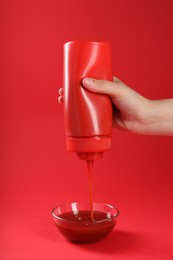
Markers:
point(158, 118)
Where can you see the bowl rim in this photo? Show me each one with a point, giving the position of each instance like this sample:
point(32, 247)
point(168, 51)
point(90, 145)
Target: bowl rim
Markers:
point(114, 216)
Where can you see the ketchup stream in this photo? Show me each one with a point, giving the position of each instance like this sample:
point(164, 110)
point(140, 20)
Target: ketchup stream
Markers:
point(90, 170)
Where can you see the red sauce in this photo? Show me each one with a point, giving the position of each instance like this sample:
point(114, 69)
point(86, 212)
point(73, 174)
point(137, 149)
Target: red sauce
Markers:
point(80, 228)
point(90, 170)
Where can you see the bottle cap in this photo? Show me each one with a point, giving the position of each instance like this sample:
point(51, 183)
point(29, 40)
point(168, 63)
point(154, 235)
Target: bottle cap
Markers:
point(89, 148)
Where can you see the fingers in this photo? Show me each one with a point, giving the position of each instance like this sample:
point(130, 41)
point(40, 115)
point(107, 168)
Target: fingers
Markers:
point(112, 89)
point(60, 91)
point(60, 98)
point(102, 86)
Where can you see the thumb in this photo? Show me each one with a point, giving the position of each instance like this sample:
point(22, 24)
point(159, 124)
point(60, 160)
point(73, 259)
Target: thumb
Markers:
point(102, 86)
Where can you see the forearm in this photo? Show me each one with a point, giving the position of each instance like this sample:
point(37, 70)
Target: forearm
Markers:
point(159, 119)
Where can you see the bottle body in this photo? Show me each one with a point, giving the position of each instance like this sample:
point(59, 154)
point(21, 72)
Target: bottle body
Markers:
point(87, 115)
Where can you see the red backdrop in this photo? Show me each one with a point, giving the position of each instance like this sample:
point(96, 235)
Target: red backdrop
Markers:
point(37, 173)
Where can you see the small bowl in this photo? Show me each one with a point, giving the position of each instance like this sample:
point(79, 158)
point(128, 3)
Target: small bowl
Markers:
point(75, 222)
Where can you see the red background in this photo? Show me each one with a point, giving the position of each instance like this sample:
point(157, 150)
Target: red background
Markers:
point(37, 173)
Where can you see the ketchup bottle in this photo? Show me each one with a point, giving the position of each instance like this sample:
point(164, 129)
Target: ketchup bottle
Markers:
point(87, 115)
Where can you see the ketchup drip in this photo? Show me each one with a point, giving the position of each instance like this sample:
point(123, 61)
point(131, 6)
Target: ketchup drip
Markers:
point(90, 170)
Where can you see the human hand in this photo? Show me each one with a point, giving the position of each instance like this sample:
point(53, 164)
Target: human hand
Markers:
point(130, 108)
point(133, 111)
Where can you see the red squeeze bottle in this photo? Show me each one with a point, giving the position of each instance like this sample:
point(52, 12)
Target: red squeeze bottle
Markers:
point(87, 115)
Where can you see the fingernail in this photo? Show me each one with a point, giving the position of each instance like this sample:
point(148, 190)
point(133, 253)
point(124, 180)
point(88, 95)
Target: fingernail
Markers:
point(88, 81)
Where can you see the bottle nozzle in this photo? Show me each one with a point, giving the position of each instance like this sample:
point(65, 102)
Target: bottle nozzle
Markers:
point(90, 156)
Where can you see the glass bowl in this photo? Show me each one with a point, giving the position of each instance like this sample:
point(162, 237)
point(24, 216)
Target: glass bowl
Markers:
point(76, 222)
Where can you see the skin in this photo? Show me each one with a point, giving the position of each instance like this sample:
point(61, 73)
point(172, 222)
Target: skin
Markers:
point(132, 111)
